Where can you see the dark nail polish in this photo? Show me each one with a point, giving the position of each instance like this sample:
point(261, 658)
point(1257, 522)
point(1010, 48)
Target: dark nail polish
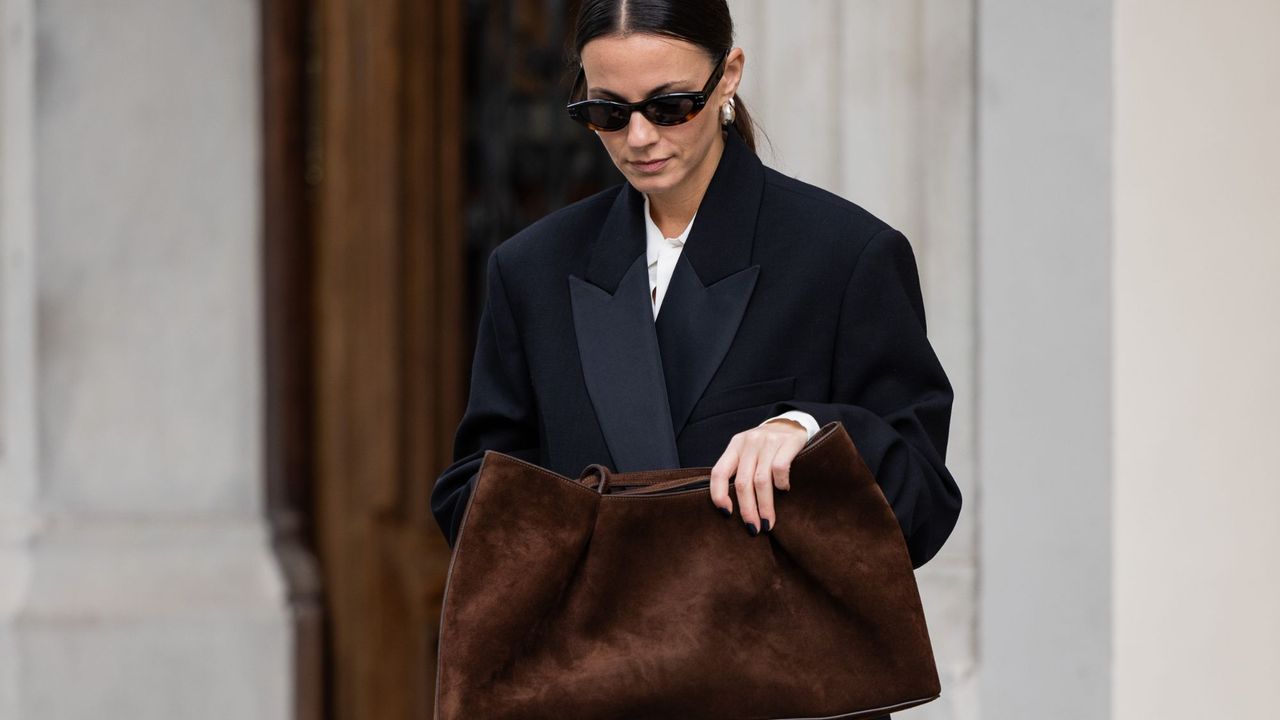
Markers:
point(724, 511)
point(751, 528)
point(764, 525)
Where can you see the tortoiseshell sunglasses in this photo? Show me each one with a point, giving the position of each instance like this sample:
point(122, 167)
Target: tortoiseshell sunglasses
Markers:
point(666, 109)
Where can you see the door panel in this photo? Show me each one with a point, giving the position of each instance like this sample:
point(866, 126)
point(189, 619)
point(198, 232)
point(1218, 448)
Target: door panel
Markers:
point(390, 343)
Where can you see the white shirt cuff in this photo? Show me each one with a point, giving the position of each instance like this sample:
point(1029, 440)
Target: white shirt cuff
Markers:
point(802, 417)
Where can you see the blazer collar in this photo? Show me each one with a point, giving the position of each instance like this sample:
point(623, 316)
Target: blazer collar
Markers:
point(644, 377)
point(655, 241)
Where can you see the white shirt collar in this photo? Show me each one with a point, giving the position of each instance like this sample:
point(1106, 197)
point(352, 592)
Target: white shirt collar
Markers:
point(654, 239)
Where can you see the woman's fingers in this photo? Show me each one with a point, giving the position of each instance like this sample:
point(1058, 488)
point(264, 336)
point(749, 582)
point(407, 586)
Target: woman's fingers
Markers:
point(762, 481)
point(787, 451)
point(758, 459)
point(782, 450)
point(720, 474)
point(744, 482)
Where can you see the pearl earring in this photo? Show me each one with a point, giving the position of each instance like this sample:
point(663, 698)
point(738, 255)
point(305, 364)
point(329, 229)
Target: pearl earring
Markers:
point(727, 113)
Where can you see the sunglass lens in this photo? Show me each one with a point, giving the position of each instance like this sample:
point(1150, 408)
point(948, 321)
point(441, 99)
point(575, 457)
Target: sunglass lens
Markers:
point(669, 111)
point(607, 117)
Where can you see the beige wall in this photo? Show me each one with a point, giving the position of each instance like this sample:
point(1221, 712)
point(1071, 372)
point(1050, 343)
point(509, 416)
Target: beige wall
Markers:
point(1197, 359)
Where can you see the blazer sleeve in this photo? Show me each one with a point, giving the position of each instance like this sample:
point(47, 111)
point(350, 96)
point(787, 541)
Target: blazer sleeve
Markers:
point(890, 391)
point(500, 413)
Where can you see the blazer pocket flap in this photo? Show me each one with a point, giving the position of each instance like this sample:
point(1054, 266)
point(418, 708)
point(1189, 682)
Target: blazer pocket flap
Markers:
point(739, 397)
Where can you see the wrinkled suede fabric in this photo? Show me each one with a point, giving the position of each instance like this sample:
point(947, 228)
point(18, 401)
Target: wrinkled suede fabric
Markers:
point(563, 602)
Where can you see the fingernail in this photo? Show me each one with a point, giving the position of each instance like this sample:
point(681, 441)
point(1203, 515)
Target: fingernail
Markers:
point(724, 511)
point(751, 528)
point(764, 525)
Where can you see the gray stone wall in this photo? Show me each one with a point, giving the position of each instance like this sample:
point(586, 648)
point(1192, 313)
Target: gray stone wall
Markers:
point(136, 577)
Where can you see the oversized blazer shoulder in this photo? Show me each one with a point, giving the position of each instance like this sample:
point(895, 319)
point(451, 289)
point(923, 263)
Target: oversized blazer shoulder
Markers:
point(785, 297)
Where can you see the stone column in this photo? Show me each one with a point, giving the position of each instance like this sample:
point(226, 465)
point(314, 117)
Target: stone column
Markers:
point(136, 576)
point(18, 487)
point(1045, 427)
point(874, 100)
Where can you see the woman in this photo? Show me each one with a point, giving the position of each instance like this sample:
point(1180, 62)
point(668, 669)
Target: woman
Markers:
point(709, 311)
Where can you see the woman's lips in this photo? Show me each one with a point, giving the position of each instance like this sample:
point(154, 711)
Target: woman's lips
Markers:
point(651, 167)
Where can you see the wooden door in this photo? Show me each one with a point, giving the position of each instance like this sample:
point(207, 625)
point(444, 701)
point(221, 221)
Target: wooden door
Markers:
point(366, 346)
point(389, 343)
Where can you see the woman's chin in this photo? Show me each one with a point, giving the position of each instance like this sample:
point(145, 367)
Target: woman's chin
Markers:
point(649, 184)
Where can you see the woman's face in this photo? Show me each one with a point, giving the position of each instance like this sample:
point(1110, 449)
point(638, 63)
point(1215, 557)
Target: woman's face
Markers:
point(632, 68)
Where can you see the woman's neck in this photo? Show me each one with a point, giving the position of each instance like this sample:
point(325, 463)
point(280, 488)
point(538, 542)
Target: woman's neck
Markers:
point(674, 209)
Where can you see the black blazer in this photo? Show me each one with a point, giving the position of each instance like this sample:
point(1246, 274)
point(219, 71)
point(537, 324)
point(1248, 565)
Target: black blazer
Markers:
point(784, 297)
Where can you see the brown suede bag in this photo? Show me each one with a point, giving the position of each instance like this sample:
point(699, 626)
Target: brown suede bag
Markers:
point(628, 595)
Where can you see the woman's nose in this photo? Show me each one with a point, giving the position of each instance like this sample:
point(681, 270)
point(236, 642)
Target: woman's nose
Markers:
point(640, 131)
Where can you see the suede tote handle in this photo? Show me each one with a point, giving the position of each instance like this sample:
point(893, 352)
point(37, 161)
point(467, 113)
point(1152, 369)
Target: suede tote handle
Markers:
point(653, 482)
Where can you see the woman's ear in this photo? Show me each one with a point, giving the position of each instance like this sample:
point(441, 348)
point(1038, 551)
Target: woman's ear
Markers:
point(732, 77)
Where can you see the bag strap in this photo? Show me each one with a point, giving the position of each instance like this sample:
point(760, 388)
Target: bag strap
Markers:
point(600, 478)
point(606, 482)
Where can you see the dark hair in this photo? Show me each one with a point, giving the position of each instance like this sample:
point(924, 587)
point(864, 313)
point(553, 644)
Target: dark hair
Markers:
point(705, 23)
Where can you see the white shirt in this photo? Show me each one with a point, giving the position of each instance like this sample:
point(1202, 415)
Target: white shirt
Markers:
point(662, 254)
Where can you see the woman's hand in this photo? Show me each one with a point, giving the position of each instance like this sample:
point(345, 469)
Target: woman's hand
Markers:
point(759, 459)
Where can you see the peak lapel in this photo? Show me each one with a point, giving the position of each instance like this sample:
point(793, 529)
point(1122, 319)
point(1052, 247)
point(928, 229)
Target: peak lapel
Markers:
point(712, 281)
point(621, 365)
